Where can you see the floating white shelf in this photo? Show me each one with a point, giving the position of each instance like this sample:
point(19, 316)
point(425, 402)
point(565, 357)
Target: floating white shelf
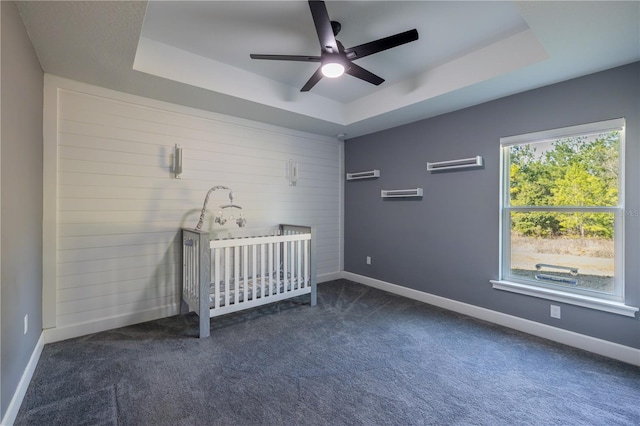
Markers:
point(464, 163)
point(370, 174)
point(401, 193)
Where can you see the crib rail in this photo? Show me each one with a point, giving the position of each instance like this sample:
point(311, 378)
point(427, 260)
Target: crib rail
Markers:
point(223, 276)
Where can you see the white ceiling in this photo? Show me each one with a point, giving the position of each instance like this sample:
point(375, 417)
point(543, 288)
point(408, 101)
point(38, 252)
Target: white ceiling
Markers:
point(197, 54)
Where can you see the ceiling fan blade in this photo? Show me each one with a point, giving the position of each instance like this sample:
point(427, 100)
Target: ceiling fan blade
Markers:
point(323, 26)
point(312, 81)
point(300, 58)
point(379, 45)
point(362, 74)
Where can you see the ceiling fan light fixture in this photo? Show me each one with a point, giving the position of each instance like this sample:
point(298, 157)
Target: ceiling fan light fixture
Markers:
point(332, 69)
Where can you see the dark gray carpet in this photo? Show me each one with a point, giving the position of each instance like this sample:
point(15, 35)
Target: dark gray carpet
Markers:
point(361, 357)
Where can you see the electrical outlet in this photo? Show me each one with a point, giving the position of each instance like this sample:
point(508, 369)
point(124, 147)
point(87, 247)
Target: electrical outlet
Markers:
point(555, 311)
point(26, 324)
point(368, 260)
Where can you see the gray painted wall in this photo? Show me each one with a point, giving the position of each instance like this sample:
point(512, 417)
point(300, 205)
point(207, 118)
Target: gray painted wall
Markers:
point(447, 243)
point(21, 168)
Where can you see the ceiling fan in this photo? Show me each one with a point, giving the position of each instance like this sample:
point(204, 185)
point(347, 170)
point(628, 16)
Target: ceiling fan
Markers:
point(334, 58)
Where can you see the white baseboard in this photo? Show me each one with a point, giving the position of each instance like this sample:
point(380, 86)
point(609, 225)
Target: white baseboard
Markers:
point(329, 277)
point(76, 330)
point(18, 396)
point(601, 347)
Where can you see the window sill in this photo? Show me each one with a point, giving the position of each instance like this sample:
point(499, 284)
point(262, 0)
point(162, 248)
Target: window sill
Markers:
point(571, 299)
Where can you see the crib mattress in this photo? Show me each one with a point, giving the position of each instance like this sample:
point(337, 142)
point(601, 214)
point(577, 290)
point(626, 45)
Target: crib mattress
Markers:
point(292, 284)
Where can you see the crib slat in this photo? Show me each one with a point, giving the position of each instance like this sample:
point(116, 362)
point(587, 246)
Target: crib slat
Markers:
point(285, 263)
point(186, 272)
point(217, 290)
point(312, 268)
point(254, 272)
point(227, 275)
point(262, 265)
point(306, 263)
point(245, 275)
point(192, 271)
point(278, 247)
point(294, 265)
point(236, 274)
point(294, 269)
point(270, 270)
point(292, 272)
point(299, 264)
point(290, 268)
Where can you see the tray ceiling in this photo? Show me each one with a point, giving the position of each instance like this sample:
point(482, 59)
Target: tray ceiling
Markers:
point(197, 54)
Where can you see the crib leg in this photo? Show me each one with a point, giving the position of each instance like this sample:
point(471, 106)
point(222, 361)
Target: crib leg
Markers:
point(203, 309)
point(204, 280)
point(203, 312)
point(314, 284)
point(204, 326)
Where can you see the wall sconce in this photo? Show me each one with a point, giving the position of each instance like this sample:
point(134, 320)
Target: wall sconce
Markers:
point(177, 161)
point(292, 172)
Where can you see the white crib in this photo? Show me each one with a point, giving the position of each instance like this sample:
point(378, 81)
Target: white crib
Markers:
point(229, 275)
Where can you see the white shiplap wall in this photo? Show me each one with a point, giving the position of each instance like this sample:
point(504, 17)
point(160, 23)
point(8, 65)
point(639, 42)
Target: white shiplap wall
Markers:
point(118, 211)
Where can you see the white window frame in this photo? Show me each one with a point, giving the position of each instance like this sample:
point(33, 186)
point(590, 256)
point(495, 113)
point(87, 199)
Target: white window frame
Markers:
point(607, 302)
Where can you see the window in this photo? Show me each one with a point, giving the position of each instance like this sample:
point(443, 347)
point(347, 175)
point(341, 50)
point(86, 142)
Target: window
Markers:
point(562, 213)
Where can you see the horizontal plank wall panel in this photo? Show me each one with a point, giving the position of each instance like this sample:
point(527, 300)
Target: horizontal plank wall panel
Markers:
point(102, 253)
point(112, 309)
point(119, 209)
point(116, 263)
point(86, 279)
point(115, 299)
point(112, 287)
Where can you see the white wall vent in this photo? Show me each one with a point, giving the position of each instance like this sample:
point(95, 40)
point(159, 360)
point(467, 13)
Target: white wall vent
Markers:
point(401, 193)
point(364, 175)
point(455, 164)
